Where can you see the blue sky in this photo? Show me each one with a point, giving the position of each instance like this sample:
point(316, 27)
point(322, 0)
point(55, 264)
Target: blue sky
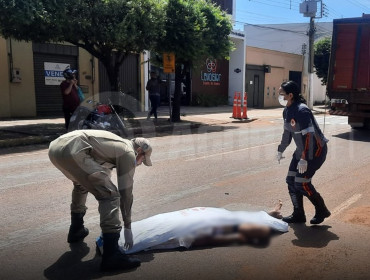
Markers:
point(287, 11)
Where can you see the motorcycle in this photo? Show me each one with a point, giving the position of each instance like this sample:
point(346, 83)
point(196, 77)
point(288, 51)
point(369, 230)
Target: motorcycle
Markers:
point(99, 116)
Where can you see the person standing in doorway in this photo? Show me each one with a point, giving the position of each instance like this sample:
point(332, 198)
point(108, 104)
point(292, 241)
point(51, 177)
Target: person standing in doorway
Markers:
point(311, 149)
point(153, 86)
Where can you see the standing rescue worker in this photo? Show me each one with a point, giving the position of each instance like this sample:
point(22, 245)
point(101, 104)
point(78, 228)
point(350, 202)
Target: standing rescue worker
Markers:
point(87, 157)
point(310, 153)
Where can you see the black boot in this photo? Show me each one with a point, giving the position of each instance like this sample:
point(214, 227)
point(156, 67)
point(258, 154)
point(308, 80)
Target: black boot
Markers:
point(77, 231)
point(298, 215)
point(321, 211)
point(113, 258)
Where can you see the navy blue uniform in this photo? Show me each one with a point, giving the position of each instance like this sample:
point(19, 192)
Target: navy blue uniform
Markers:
point(301, 126)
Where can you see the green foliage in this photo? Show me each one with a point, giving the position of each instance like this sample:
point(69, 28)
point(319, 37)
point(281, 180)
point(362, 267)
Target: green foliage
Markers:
point(194, 29)
point(321, 58)
point(108, 29)
point(112, 29)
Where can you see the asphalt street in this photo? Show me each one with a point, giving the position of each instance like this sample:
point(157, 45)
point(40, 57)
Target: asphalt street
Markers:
point(224, 164)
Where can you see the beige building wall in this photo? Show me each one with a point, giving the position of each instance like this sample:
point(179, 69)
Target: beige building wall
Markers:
point(281, 63)
point(88, 76)
point(17, 97)
point(4, 80)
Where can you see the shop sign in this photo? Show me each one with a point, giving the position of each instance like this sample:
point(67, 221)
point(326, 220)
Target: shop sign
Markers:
point(211, 77)
point(53, 73)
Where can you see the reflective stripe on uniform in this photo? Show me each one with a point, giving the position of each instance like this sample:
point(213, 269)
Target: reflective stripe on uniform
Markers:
point(302, 180)
point(291, 173)
point(307, 130)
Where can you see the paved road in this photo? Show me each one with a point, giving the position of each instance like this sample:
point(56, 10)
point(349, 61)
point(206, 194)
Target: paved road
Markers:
point(230, 165)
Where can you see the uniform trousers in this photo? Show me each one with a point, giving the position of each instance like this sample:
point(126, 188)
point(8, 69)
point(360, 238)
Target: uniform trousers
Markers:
point(301, 184)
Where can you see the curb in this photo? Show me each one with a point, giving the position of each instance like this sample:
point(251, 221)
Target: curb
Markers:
point(139, 130)
point(24, 141)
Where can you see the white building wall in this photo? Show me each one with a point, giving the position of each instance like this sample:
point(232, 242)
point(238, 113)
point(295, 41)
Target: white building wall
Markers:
point(236, 68)
point(319, 91)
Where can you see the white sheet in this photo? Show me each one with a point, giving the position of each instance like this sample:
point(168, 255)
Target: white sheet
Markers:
point(178, 228)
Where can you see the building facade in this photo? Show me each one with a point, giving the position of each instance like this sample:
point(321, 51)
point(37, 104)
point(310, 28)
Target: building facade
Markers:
point(265, 71)
point(290, 38)
point(30, 75)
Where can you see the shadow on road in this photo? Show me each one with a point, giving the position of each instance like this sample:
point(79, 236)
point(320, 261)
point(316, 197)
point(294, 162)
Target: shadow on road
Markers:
point(362, 135)
point(71, 266)
point(317, 236)
point(28, 138)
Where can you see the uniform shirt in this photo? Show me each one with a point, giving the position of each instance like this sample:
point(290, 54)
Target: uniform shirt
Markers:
point(110, 151)
point(70, 101)
point(300, 124)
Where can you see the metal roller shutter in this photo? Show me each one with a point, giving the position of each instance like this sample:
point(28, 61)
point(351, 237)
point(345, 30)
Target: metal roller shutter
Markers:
point(48, 97)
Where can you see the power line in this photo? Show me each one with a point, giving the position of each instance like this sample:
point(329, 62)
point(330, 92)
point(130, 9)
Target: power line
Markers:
point(330, 10)
point(273, 28)
point(251, 15)
point(268, 4)
point(358, 4)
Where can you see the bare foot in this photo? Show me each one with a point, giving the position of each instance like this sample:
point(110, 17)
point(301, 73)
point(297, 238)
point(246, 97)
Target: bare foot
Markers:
point(276, 212)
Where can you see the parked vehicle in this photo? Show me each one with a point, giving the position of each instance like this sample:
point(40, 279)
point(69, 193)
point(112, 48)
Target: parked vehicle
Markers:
point(100, 116)
point(348, 83)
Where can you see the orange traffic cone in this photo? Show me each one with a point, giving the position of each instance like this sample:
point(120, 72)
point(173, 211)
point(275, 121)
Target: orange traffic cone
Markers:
point(245, 106)
point(237, 106)
point(234, 105)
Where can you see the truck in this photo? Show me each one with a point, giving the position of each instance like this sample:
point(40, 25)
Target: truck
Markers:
point(348, 83)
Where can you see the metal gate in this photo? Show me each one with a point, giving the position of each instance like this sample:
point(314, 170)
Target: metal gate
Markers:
point(129, 78)
point(49, 100)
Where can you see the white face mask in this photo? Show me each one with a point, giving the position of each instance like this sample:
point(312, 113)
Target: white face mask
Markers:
point(282, 101)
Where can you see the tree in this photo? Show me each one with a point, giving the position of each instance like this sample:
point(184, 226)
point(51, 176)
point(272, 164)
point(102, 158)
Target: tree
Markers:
point(321, 58)
point(108, 29)
point(193, 29)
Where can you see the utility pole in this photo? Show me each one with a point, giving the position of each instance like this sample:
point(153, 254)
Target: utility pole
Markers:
point(309, 9)
point(311, 54)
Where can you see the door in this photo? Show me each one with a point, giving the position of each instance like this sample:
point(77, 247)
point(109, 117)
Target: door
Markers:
point(296, 76)
point(256, 85)
point(255, 81)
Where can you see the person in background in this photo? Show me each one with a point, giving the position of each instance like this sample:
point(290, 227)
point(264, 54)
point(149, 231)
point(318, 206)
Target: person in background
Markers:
point(86, 157)
point(311, 149)
point(153, 86)
point(69, 90)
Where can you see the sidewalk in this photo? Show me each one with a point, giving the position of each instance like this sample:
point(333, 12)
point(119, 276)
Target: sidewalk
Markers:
point(32, 131)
